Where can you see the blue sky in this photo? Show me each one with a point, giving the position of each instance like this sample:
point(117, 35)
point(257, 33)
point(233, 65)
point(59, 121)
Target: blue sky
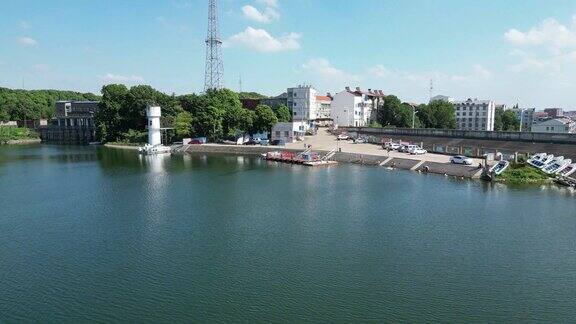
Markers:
point(508, 51)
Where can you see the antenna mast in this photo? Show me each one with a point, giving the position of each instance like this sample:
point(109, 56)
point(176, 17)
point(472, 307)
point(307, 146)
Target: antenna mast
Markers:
point(431, 88)
point(214, 72)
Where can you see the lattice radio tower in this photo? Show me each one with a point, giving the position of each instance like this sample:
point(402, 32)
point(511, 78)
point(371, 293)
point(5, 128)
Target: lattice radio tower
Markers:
point(214, 71)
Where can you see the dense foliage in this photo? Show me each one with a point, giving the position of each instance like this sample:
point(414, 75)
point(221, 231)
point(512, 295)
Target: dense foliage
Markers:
point(522, 173)
point(218, 115)
point(283, 113)
point(16, 133)
point(505, 120)
point(34, 104)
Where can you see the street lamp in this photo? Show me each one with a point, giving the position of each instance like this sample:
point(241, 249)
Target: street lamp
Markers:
point(414, 111)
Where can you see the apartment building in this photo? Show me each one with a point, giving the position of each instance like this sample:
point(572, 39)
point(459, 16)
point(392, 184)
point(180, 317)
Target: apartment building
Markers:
point(474, 114)
point(355, 107)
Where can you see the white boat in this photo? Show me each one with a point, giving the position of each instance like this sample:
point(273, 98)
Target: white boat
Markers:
point(558, 164)
point(154, 149)
point(543, 162)
point(568, 170)
point(499, 167)
point(536, 158)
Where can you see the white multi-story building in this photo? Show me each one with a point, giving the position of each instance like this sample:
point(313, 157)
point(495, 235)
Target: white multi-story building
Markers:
point(355, 107)
point(302, 102)
point(289, 132)
point(555, 125)
point(474, 114)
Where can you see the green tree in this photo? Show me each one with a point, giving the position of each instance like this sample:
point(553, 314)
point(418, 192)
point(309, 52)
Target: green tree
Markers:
point(283, 113)
point(505, 120)
point(426, 116)
point(444, 114)
point(183, 124)
point(208, 122)
point(387, 114)
point(264, 119)
point(108, 119)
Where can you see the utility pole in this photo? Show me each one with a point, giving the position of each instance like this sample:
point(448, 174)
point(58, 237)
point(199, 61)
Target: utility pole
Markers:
point(214, 71)
point(239, 83)
point(431, 90)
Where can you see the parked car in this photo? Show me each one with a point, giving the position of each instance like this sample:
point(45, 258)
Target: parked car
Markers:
point(343, 137)
point(251, 142)
point(406, 148)
point(461, 159)
point(360, 140)
point(391, 145)
point(417, 150)
point(278, 142)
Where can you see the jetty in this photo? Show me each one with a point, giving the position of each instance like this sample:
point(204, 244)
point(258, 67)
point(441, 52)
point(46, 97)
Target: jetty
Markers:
point(306, 157)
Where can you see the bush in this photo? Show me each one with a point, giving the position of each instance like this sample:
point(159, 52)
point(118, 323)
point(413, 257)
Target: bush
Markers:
point(133, 136)
point(16, 133)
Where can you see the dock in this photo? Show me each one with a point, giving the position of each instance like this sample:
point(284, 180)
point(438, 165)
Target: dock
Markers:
point(306, 158)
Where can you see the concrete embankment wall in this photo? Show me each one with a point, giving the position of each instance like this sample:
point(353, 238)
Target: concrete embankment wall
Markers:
point(343, 157)
point(476, 147)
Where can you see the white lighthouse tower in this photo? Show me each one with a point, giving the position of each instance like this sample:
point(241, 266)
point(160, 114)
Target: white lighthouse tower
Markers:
point(154, 145)
point(154, 134)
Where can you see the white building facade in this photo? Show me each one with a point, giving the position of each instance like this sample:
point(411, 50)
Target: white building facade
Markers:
point(289, 132)
point(355, 107)
point(474, 114)
point(302, 101)
point(555, 125)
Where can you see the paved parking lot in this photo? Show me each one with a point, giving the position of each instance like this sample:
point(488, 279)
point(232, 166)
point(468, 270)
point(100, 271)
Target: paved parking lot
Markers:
point(326, 142)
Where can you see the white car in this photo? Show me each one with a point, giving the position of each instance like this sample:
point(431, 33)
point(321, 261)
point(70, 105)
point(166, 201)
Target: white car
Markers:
point(460, 159)
point(360, 140)
point(391, 145)
point(417, 150)
point(343, 137)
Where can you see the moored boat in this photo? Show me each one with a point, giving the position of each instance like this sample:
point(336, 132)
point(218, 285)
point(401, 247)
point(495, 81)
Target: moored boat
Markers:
point(568, 170)
point(536, 158)
point(499, 167)
point(557, 165)
point(543, 162)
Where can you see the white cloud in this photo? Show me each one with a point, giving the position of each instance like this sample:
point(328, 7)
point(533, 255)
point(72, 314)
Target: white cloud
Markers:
point(323, 74)
point(379, 71)
point(110, 77)
point(27, 41)
point(549, 33)
point(260, 40)
point(269, 13)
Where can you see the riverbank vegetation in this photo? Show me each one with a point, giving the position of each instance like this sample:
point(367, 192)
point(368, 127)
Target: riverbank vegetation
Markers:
point(217, 114)
point(17, 104)
point(522, 173)
point(16, 134)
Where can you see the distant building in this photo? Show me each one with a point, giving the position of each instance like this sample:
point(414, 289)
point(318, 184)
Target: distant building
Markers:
point(76, 113)
point(555, 125)
point(474, 114)
point(73, 123)
point(250, 103)
point(442, 98)
point(289, 132)
point(554, 112)
point(323, 110)
point(356, 107)
point(540, 116)
point(526, 118)
point(302, 102)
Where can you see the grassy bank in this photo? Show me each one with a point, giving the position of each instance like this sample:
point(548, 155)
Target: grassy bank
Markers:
point(523, 174)
point(16, 134)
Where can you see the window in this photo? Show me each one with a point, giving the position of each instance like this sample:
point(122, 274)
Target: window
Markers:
point(277, 133)
point(286, 133)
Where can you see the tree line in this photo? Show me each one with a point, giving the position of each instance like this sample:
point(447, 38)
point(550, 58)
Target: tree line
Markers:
point(395, 113)
point(16, 104)
point(216, 114)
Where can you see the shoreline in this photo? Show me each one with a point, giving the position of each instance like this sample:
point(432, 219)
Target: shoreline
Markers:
point(22, 141)
point(413, 163)
point(122, 147)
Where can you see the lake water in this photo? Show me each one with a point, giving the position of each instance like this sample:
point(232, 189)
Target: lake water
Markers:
point(95, 234)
